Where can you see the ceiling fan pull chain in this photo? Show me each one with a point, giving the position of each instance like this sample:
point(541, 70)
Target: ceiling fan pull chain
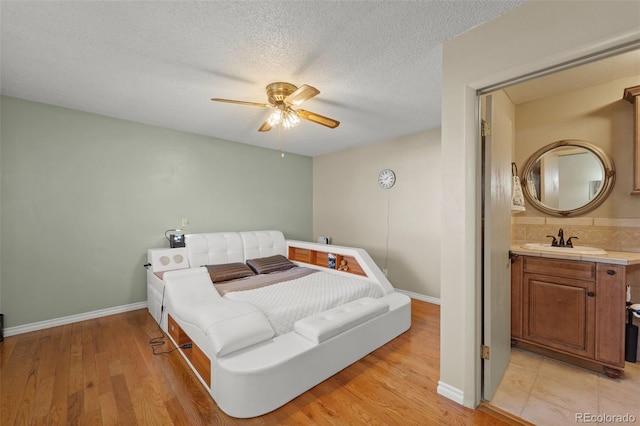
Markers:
point(281, 143)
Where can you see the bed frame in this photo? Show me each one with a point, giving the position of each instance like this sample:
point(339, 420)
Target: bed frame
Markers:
point(249, 372)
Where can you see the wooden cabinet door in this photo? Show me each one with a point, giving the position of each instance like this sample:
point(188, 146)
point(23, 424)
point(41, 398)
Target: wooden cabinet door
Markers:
point(610, 313)
point(559, 313)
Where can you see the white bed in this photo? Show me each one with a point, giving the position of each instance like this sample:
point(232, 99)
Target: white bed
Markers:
point(250, 353)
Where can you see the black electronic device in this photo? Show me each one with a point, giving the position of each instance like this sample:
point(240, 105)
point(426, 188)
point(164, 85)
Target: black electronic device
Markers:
point(176, 240)
point(175, 237)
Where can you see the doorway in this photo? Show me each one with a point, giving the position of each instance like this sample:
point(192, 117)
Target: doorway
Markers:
point(525, 96)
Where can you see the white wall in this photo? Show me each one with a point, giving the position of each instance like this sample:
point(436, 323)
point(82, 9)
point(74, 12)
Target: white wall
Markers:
point(84, 196)
point(534, 36)
point(350, 207)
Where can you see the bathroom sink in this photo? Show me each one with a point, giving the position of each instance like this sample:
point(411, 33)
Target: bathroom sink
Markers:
point(567, 250)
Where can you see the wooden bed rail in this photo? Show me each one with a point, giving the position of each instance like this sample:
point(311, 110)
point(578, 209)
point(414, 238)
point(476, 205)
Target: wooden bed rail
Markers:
point(321, 258)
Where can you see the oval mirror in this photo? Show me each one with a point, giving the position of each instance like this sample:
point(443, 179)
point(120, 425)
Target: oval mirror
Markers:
point(568, 178)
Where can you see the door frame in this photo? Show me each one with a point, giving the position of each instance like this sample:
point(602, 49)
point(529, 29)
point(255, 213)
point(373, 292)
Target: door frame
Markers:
point(481, 255)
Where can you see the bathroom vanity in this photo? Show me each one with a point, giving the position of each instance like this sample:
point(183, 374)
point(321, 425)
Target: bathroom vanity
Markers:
point(572, 306)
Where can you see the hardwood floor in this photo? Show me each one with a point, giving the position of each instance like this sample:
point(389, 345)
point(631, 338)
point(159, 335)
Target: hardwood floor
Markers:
point(103, 371)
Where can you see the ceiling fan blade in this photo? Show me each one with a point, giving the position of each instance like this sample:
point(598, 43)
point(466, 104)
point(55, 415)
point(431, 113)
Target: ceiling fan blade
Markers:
point(317, 118)
point(303, 93)
point(231, 101)
point(265, 127)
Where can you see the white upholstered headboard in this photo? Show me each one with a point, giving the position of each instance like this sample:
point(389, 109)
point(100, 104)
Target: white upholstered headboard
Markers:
point(228, 247)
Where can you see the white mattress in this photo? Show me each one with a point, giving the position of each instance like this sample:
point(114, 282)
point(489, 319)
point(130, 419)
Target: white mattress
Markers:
point(287, 302)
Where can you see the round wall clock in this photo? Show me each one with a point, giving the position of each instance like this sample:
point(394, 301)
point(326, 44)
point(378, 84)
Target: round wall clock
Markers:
point(386, 178)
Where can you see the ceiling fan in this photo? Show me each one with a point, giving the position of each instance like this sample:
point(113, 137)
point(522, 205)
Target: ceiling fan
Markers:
point(282, 98)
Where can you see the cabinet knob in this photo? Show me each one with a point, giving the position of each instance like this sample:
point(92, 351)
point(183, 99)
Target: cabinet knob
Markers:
point(590, 294)
point(611, 272)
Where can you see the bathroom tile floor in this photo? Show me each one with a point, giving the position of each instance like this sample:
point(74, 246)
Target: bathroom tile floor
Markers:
point(548, 392)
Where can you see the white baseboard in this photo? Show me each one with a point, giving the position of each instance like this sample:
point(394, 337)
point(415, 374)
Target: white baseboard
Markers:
point(450, 392)
point(419, 296)
point(41, 325)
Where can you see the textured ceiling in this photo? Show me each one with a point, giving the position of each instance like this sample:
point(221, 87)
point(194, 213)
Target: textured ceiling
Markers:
point(377, 64)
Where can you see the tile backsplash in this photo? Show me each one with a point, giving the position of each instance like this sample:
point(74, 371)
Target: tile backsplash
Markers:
point(607, 233)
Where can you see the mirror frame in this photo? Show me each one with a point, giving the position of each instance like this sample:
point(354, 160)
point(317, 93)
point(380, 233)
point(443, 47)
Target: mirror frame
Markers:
point(607, 185)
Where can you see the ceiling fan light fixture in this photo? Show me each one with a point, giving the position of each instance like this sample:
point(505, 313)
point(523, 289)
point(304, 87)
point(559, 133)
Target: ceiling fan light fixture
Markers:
point(290, 119)
point(275, 118)
point(284, 116)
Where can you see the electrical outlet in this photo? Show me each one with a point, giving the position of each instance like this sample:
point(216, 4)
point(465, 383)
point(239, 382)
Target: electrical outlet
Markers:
point(185, 221)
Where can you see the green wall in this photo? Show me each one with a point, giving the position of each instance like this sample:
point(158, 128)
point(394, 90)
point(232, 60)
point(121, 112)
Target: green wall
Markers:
point(84, 196)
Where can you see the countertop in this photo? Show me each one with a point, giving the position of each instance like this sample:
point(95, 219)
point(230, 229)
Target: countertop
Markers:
point(615, 257)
